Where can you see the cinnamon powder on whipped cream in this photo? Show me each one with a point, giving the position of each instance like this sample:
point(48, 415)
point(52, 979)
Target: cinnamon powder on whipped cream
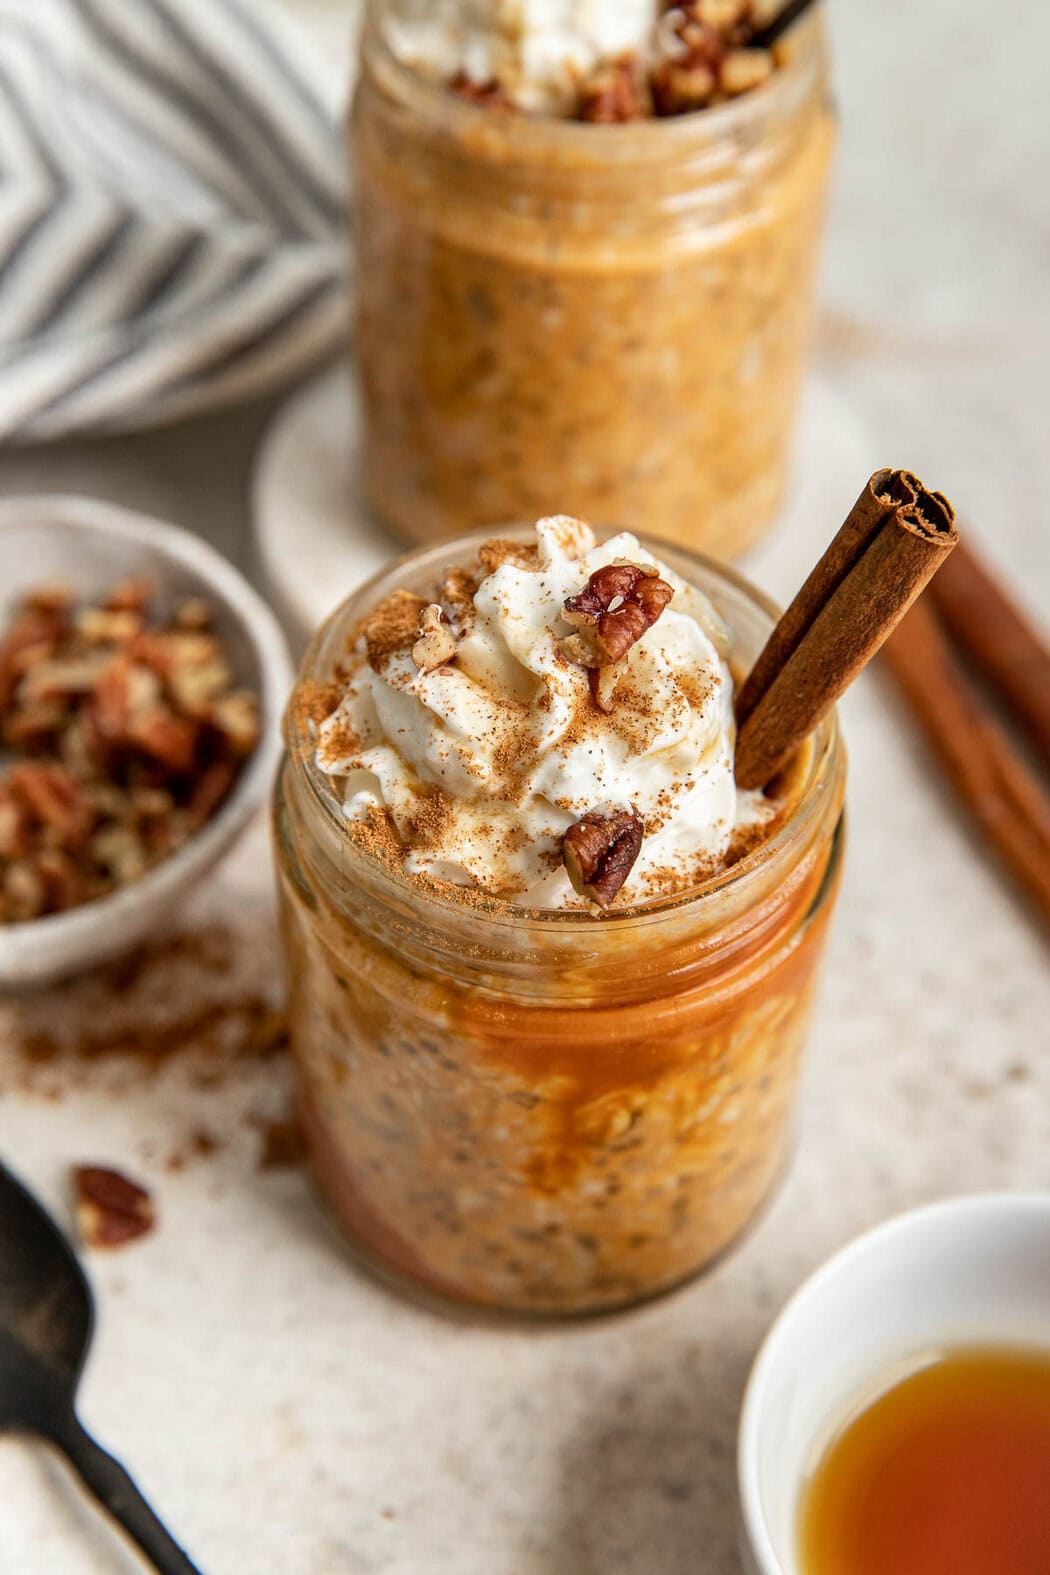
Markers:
point(470, 774)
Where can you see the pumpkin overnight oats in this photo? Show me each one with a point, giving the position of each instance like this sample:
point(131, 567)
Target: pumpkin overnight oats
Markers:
point(550, 970)
point(553, 312)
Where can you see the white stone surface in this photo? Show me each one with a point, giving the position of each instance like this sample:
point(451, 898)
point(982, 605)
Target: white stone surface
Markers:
point(292, 1419)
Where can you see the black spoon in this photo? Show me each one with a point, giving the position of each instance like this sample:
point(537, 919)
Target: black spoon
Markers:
point(46, 1321)
point(767, 36)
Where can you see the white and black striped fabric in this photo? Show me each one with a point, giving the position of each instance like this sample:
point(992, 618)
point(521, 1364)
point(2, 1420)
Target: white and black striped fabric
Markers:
point(171, 210)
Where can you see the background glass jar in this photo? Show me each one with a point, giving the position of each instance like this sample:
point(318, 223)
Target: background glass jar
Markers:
point(609, 320)
point(544, 1111)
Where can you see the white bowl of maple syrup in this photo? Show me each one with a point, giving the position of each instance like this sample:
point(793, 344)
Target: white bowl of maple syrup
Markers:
point(897, 1417)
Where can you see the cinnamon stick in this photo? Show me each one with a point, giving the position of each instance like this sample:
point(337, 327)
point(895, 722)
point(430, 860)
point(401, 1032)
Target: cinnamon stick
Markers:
point(895, 538)
point(999, 640)
point(1001, 794)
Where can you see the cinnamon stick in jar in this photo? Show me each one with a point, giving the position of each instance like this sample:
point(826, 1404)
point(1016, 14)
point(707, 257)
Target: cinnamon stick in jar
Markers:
point(894, 539)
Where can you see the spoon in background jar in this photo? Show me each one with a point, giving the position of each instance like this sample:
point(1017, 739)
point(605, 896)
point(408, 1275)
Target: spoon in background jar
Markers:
point(767, 36)
point(46, 1321)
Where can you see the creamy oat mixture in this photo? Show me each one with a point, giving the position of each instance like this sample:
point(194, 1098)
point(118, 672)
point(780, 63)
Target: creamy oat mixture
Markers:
point(482, 732)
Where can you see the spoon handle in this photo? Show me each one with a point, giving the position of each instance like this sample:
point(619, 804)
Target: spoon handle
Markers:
point(116, 1492)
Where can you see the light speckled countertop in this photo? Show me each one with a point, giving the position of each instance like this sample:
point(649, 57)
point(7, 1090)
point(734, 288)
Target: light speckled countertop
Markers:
point(290, 1417)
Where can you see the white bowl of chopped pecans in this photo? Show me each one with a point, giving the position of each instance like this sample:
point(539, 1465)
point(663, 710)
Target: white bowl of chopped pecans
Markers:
point(142, 682)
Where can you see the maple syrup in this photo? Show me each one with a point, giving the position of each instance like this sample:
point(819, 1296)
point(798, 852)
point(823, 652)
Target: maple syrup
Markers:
point(947, 1473)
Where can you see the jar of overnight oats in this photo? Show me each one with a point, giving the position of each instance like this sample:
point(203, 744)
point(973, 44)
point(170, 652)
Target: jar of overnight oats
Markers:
point(543, 1109)
point(610, 318)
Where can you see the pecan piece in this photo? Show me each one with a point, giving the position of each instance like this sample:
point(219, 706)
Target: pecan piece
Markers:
point(615, 93)
point(52, 798)
point(599, 852)
point(743, 70)
point(110, 1209)
point(603, 682)
point(436, 644)
point(489, 94)
point(618, 605)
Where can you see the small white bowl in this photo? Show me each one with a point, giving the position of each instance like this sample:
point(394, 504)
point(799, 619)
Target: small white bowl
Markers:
point(88, 544)
point(969, 1271)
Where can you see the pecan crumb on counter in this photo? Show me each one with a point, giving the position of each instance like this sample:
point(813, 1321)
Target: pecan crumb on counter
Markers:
point(111, 1210)
point(127, 734)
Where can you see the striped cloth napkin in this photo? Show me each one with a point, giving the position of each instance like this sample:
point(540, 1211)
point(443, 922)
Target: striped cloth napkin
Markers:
point(171, 210)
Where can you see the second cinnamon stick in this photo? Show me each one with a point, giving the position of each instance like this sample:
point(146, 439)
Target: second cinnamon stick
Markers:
point(991, 778)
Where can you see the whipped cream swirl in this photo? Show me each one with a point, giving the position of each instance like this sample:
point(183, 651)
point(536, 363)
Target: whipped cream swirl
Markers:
point(481, 764)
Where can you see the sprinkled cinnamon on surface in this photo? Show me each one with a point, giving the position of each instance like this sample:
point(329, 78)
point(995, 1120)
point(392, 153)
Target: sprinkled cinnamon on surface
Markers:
point(312, 703)
point(393, 627)
point(430, 816)
point(458, 590)
point(492, 555)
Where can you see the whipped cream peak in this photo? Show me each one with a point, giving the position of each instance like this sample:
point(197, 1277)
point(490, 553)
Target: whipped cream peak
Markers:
point(479, 764)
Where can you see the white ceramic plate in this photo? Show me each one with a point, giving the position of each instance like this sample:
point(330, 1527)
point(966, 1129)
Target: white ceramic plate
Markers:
point(316, 540)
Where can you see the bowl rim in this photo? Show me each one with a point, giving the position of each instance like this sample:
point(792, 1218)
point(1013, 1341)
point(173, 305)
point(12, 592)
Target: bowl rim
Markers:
point(754, 1526)
point(67, 932)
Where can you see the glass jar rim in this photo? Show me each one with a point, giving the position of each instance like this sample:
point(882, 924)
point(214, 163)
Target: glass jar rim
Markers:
point(798, 71)
point(824, 769)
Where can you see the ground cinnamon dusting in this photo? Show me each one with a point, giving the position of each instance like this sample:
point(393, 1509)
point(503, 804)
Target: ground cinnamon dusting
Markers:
point(492, 555)
point(430, 816)
point(311, 704)
point(392, 627)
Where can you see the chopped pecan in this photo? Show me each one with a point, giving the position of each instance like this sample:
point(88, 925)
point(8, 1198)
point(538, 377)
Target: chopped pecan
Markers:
point(193, 614)
point(110, 1209)
point(488, 94)
point(236, 717)
point(705, 58)
point(23, 894)
point(619, 603)
point(62, 879)
point(169, 739)
point(130, 736)
point(14, 835)
point(131, 595)
point(742, 70)
point(436, 644)
point(614, 93)
point(53, 799)
point(29, 638)
point(211, 788)
point(108, 625)
point(603, 682)
point(458, 589)
point(679, 88)
point(728, 17)
point(599, 852)
point(53, 601)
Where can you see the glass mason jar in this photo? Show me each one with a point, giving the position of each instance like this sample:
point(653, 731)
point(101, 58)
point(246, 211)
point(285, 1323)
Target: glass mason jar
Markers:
point(604, 320)
point(542, 1111)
